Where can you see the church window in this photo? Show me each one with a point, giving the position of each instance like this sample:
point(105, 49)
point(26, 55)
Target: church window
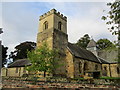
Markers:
point(105, 68)
point(118, 70)
point(45, 25)
point(105, 71)
point(85, 66)
point(59, 25)
point(80, 66)
point(96, 67)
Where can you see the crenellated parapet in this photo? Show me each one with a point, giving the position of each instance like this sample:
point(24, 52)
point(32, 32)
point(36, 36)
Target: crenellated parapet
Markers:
point(53, 11)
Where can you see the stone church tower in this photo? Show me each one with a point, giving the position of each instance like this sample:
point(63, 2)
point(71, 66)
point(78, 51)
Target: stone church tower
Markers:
point(53, 30)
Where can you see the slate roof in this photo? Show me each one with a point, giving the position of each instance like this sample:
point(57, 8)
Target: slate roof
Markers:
point(103, 61)
point(84, 54)
point(92, 43)
point(20, 63)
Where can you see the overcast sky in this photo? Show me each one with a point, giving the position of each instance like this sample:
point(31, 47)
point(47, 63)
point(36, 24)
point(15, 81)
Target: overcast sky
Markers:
point(20, 20)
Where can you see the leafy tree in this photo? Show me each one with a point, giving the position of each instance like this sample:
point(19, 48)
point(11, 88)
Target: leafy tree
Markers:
point(113, 17)
point(83, 41)
point(43, 59)
point(21, 50)
point(113, 20)
point(104, 44)
point(1, 30)
point(4, 55)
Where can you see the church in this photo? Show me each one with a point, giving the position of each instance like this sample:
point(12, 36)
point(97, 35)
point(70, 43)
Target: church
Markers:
point(77, 61)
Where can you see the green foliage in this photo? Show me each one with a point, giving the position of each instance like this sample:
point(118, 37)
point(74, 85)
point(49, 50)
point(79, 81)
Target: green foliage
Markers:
point(4, 55)
point(103, 44)
point(113, 17)
point(109, 77)
point(83, 41)
point(21, 50)
point(43, 59)
point(113, 20)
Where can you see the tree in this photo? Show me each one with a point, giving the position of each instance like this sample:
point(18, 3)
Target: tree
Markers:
point(43, 59)
point(113, 20)
point(104, 44)
point(113, 17)
point(1, 30)
point(21, 50)
point(4, 55)
point(83, 41)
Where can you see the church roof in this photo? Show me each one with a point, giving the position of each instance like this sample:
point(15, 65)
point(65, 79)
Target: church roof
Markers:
point(20, 63)
point(92, 43)
point(103, 61)
point(78, 52)
point(84, 54)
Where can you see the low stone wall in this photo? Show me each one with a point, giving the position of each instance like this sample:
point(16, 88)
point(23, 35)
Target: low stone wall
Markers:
point(62, 83)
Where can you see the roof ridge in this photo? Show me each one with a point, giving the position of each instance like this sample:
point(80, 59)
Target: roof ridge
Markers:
point(99, 59)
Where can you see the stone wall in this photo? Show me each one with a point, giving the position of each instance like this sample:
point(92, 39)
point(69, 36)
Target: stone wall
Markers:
point(69, 64)
point(4, 71)
point(53, 17)
point(24, 83)
point(17, 71)
point(82, 66)
point(61, 70)
point(49, 19)
point(106, 70)
point(54, 38)
point(63, 21)
point(111, 70)
point(60, 41)
point(115, 70)
point(46, 36)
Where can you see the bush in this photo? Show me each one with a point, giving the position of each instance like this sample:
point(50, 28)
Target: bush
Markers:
point(109, 78)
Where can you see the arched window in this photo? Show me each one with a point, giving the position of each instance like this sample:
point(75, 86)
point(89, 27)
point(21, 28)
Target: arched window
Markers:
point(85, 67)
point(45, 25)
point(104, 71)
point(59, 25)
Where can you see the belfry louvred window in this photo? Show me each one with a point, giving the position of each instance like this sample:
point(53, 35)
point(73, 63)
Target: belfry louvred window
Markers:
point(59, 25)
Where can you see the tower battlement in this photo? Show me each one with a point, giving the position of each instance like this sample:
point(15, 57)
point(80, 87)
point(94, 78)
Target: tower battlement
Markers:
point(53, 11)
